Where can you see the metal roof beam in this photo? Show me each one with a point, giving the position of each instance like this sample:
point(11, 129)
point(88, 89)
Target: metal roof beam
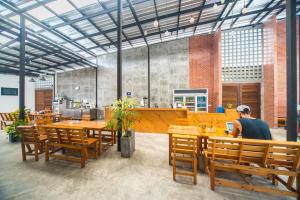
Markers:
point(178, 17)
point(256, 16)
point(73, 26)
point(137, 20)
point(234, 21)
point(94, 25)
point(149, 20)
point(227, 14)
point(35, 21)
point(31, 7)
point(5, 70)
point(206, 22)
point(109, 10)
point(221, 14)
point(268, 12)
point(114, 21)
point(42, 39)
point(156, 14)
point(199, 15)
point(9, 43)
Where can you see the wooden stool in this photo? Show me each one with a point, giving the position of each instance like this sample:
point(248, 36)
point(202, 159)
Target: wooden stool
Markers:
point(184, 149)
point(31, 137)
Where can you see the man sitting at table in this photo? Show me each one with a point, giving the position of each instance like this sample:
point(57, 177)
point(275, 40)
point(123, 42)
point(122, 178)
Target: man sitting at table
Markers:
point(250, 127)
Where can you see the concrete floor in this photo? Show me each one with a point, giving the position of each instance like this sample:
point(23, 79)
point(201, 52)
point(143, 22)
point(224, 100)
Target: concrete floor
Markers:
point(146, 175)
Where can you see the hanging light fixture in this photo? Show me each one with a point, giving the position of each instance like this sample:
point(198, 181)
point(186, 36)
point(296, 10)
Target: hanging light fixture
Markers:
point(167, 33)
point(245, 9)
point(31, 80)
point(192, 20)
point(42, 77)
point(145, 33)
point(222, 1)
point(155, 24)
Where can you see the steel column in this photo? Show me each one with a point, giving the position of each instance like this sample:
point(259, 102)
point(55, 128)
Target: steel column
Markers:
point(96, 102)
point(54, 86)
point(149, 76)
point(22, 69)
point(119, 67)
point(291, 63)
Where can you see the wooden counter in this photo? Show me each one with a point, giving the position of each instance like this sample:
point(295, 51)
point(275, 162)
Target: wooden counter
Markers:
point(154, 120)
point(157, 120)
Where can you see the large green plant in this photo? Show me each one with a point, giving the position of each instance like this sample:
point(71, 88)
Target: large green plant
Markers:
point(12, 128)
point(122, 112)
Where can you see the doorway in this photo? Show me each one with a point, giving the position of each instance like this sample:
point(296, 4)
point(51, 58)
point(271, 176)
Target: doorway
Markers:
point(43, 99)
point(243, 93)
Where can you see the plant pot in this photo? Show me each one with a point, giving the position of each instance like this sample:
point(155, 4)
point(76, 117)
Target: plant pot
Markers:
point(12, 139)
point(128, 145)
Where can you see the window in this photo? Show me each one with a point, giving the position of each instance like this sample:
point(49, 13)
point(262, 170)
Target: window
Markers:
point(242, 55)
point(48, 83)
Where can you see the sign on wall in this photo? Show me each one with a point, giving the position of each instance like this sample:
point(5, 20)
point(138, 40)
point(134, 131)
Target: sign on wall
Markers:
point(9, 91)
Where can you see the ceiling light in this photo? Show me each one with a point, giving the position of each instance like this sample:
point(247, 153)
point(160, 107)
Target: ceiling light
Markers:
point(42, 78)
point(244, 10)
point(222, 1)
point(192, 20)
point(215, 6)
point(145, 33)
point(167, 33)
point(155, 24)
point(31, 80)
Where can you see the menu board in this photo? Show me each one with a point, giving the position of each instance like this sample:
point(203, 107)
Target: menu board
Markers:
point(9, 91)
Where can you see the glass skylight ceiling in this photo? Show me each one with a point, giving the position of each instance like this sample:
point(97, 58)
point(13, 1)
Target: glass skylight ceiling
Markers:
point(76, 31)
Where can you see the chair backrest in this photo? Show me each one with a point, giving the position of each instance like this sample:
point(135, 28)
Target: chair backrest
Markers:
point(7, 117)
point(28, 133)
point(183, 143)
point(66, 135)
point(52, 135)
point(43, 119)
point(266, 153)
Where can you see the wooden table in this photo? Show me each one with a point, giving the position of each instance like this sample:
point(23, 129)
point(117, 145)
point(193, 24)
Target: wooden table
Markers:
point(96, 125)
point(195, 131)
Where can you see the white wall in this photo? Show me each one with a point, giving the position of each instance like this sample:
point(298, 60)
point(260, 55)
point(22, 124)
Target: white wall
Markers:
point(11, 103)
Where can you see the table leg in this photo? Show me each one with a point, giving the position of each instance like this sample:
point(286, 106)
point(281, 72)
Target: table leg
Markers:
point(100, 142)
point(170, 147)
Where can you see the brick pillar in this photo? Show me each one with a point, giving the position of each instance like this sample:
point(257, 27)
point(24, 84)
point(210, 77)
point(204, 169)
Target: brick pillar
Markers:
point(217, 96)
point(205, 67)
point(270, 73)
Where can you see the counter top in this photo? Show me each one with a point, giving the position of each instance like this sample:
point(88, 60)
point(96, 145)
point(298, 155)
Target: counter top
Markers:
point(159, 109)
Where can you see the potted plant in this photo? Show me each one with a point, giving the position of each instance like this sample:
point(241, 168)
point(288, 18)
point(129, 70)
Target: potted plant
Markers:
point(11, 130)
point(123, 113)
point(13, 134)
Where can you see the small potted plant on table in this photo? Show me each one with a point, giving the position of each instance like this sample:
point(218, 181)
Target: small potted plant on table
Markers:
point(123, 114)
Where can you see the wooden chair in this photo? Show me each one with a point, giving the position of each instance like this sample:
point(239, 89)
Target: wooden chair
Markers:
point(275, 160)
point(30, 137)
point(109, 136)
point(184, 149)
point(70, 141)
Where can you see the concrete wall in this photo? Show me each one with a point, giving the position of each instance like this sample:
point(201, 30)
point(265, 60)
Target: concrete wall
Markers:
point(11, 103)
point(85, 79)
point(169, 70)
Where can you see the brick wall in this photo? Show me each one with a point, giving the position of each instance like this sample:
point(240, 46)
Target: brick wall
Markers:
point(204, 66)
point(275, 99)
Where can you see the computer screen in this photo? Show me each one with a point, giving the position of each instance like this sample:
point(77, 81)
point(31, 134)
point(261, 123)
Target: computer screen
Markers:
point(229, 126)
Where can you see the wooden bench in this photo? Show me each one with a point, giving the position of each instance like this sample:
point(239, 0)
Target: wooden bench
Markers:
point(274, 160)
point(70, 140)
